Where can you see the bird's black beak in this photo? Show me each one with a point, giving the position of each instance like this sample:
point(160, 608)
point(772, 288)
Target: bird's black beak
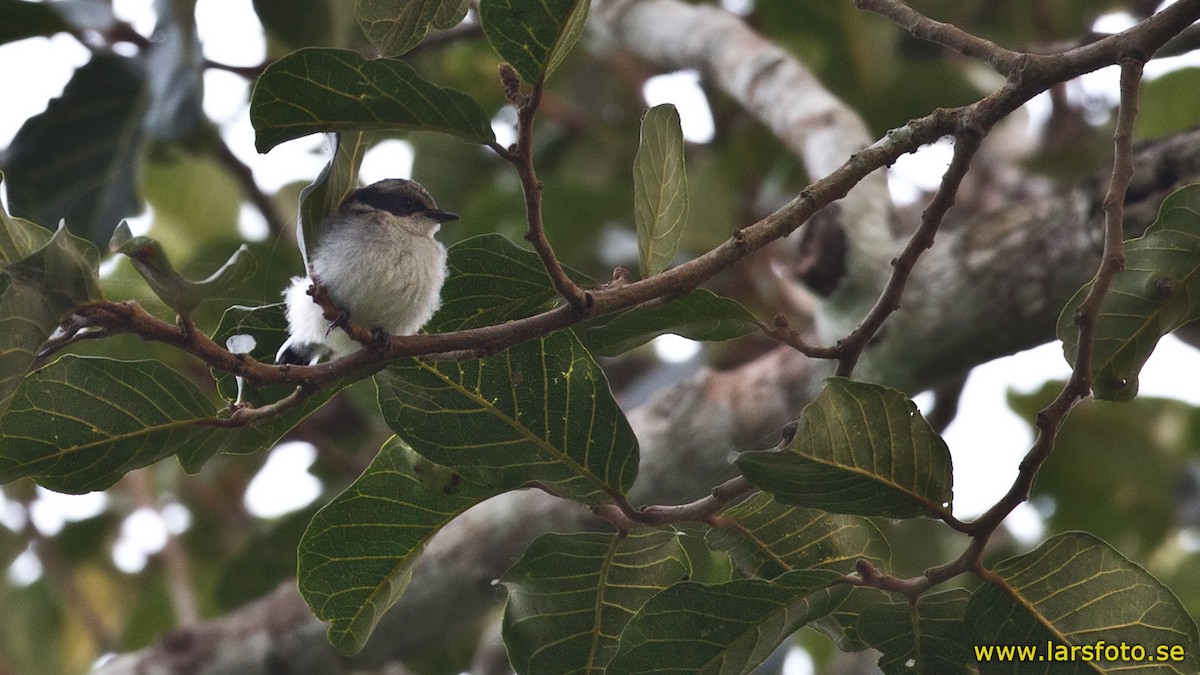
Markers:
point(440, 216)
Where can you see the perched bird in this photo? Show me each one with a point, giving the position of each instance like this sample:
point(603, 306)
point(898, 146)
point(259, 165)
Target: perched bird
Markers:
point(377, 258)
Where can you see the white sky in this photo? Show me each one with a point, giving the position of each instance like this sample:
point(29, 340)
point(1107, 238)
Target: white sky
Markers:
point(986, 439)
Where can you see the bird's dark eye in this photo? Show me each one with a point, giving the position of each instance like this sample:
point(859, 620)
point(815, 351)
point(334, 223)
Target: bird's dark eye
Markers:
point(389, 200)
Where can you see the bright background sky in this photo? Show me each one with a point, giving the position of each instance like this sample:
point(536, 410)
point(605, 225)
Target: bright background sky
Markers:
point(987, 439)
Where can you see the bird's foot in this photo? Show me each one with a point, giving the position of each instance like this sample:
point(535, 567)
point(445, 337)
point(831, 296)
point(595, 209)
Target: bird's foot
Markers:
point(341, 320)
point(381, 337)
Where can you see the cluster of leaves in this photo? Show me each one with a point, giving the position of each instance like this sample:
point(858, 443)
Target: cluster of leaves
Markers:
point(717, 596)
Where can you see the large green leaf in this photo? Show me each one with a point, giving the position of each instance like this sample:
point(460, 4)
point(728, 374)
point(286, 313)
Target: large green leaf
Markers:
point(491, 281)
point(356, 556)
point(81, 423)
point(1077, 591)
point(723, 628)
point(74, 160)
point(1158, 291)
point(861, 449)
point(926, 638)
point(539, 413)
point(699, 315)
point(533, 37)
point(20, 19)
point(396, 26)
point(43, 278)
point(660, 197)
point(773, 538)
point(318, 90)
point(570, 596)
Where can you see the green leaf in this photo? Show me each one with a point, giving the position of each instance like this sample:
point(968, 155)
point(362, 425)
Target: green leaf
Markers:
point(337, 180)
point(1077, 591)
point(861, 449)
point(396, 26)
point(77, 159)
point(320, 90)
point(929, 638)
point(723, 628)
point(180, 294)
point(699, 315)
point(36, 291)
point(19, 238)
point(81, 423)
point(660, 198)
point(1157, 292)
point(774, 538)
point(533, 37)
point(538, 413)
point(570, 595)
point(491, 281)
point(20, 19)
point(356, 556)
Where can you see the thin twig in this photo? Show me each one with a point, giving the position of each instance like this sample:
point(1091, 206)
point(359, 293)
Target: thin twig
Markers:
point(703, 510)
point(1006, 62)
point(521, 157)
point(966, 144)
point(1051, 418)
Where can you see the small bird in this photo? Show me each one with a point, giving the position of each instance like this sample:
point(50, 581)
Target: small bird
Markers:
point(377, 258)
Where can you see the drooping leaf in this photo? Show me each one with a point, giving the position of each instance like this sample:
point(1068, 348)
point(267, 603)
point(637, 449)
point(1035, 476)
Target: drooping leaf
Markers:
point(396, 26)
point(1158, 291)
point(20, 19)
point(53, 274)
point(337, 180)
point(81, 423)
point(699, 315)
point(180, 294)
point(1077, 591)
point(860, 449)
point(570, 595)
point(774, 538)
point(538, 413)
point(660, 198)
point(491, 281)
point(533, 37)
point(723, 628)
point(74, 160)
point(357, 553)
point(928, 638)
point(322, 90)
